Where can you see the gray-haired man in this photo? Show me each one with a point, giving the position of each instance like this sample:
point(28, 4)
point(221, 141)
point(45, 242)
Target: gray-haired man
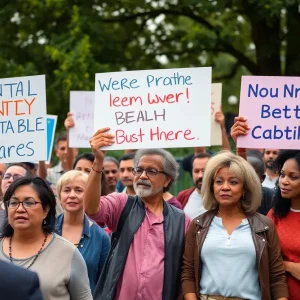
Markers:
point(146, 261)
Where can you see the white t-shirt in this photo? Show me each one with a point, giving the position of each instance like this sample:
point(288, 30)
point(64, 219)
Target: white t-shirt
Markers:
point(194, 206)
point(269, 182)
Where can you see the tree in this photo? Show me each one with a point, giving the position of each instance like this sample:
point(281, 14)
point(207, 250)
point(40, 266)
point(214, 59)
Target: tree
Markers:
point(71, 40)
point(261, 35)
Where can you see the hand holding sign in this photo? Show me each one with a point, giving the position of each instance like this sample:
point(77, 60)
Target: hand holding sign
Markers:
point(99, 140)
point(69, 122)
point(220, 118)
point(239, 128)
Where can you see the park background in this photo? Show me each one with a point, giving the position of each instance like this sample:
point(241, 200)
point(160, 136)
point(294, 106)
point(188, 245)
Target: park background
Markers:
point(70, 41)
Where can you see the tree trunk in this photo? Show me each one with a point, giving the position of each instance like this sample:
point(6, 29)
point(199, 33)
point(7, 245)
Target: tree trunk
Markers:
point(292, 67)
point(266, 37)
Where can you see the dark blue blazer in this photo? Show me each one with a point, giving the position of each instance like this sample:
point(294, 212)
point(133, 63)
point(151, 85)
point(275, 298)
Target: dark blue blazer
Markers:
point(17, 283)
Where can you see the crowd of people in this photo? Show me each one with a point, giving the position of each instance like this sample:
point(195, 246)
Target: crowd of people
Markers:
point(97, 227)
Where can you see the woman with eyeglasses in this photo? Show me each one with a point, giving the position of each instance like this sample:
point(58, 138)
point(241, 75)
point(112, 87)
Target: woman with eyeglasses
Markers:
point(29, 241)
point(91, 240)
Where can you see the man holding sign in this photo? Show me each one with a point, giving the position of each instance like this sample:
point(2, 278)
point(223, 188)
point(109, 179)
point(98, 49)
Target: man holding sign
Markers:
point(146, 262)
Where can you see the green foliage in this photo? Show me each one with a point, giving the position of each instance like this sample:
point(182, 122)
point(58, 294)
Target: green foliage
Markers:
point(71, 40)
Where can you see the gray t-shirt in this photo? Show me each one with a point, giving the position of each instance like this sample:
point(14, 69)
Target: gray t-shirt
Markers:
point(61, 270)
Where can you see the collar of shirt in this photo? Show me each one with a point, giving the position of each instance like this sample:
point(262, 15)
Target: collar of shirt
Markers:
point(58, 168)
point(86, 225)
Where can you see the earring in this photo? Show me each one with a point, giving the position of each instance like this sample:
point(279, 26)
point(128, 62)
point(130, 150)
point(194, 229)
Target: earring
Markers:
point(45, 222)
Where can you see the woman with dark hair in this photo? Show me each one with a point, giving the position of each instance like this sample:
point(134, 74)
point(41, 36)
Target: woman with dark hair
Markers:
point(29, 241)
point(286, 216)
point(84, 163)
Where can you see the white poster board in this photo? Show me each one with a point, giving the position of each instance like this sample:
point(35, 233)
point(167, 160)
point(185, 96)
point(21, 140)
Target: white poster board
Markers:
point(23, 119)
point(216, 100)
point(155, 108)
point(82, 108)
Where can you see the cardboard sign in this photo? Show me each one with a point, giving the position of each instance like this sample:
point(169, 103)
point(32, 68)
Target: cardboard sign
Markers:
point(23, 119)
point(216, 99)
point(51, 127)
point(272, 108)
point(82, 107)
point(155, 108)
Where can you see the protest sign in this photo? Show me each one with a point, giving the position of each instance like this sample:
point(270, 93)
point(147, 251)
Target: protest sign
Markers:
point(271, 106)
point(155, 108)
point(216, 99)
point(51, 127)
point(82, 107)
point(23, 119)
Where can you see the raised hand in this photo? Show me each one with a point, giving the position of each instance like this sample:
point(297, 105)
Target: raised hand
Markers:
point(101, 139)
point(69, 122)
point(239, 128)
point(220, 118)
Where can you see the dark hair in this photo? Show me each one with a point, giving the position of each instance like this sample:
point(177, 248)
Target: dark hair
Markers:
point(112, 159)
point(28, 171)
point(45, 194)
point(127, 156)
point(87, 156)
point(91, 157)
point(61, 137)
point(254, 152)
point(201, 155)
point(282, 206)
point(257, 163)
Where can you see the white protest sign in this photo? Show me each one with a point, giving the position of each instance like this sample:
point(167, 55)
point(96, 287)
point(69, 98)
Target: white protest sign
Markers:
point(216, 99)
point(155, 108)
point(23, 119)
point(82, 107)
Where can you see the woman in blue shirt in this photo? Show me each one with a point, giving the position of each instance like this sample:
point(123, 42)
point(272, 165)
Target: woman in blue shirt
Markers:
point(92, 241)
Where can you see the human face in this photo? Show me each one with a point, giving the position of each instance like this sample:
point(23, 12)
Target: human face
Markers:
point(146, 187)
point(199, 165)
point(269, 157)
point(15, 171)
point(26, 218)
point(289, 180)
point(61, 150)
point(111, 172)
point(126, 175)
point(84, 165)
point(228, 189)
point(71, 195)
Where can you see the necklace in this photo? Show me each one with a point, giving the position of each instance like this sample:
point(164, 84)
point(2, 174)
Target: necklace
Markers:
point(37, 255)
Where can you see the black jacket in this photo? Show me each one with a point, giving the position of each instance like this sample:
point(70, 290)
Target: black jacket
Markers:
point(174, 225)
point(17, 283)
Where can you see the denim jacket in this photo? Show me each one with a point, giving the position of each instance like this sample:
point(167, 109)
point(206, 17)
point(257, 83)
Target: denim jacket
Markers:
point(94, 246)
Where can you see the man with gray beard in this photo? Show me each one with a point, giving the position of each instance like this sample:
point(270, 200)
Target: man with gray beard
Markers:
point(145, 261)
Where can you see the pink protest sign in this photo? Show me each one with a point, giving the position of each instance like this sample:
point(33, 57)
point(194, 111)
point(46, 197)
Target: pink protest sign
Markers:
point(272, 108)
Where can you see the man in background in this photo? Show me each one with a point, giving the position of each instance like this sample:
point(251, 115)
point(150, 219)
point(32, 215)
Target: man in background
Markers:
point(269, 156)
point(126, 175)
point(112, 172)
point(191, 199)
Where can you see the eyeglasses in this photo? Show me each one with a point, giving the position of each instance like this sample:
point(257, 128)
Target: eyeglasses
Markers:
point(149, 172)
point(7, 176)
point(14, 204)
